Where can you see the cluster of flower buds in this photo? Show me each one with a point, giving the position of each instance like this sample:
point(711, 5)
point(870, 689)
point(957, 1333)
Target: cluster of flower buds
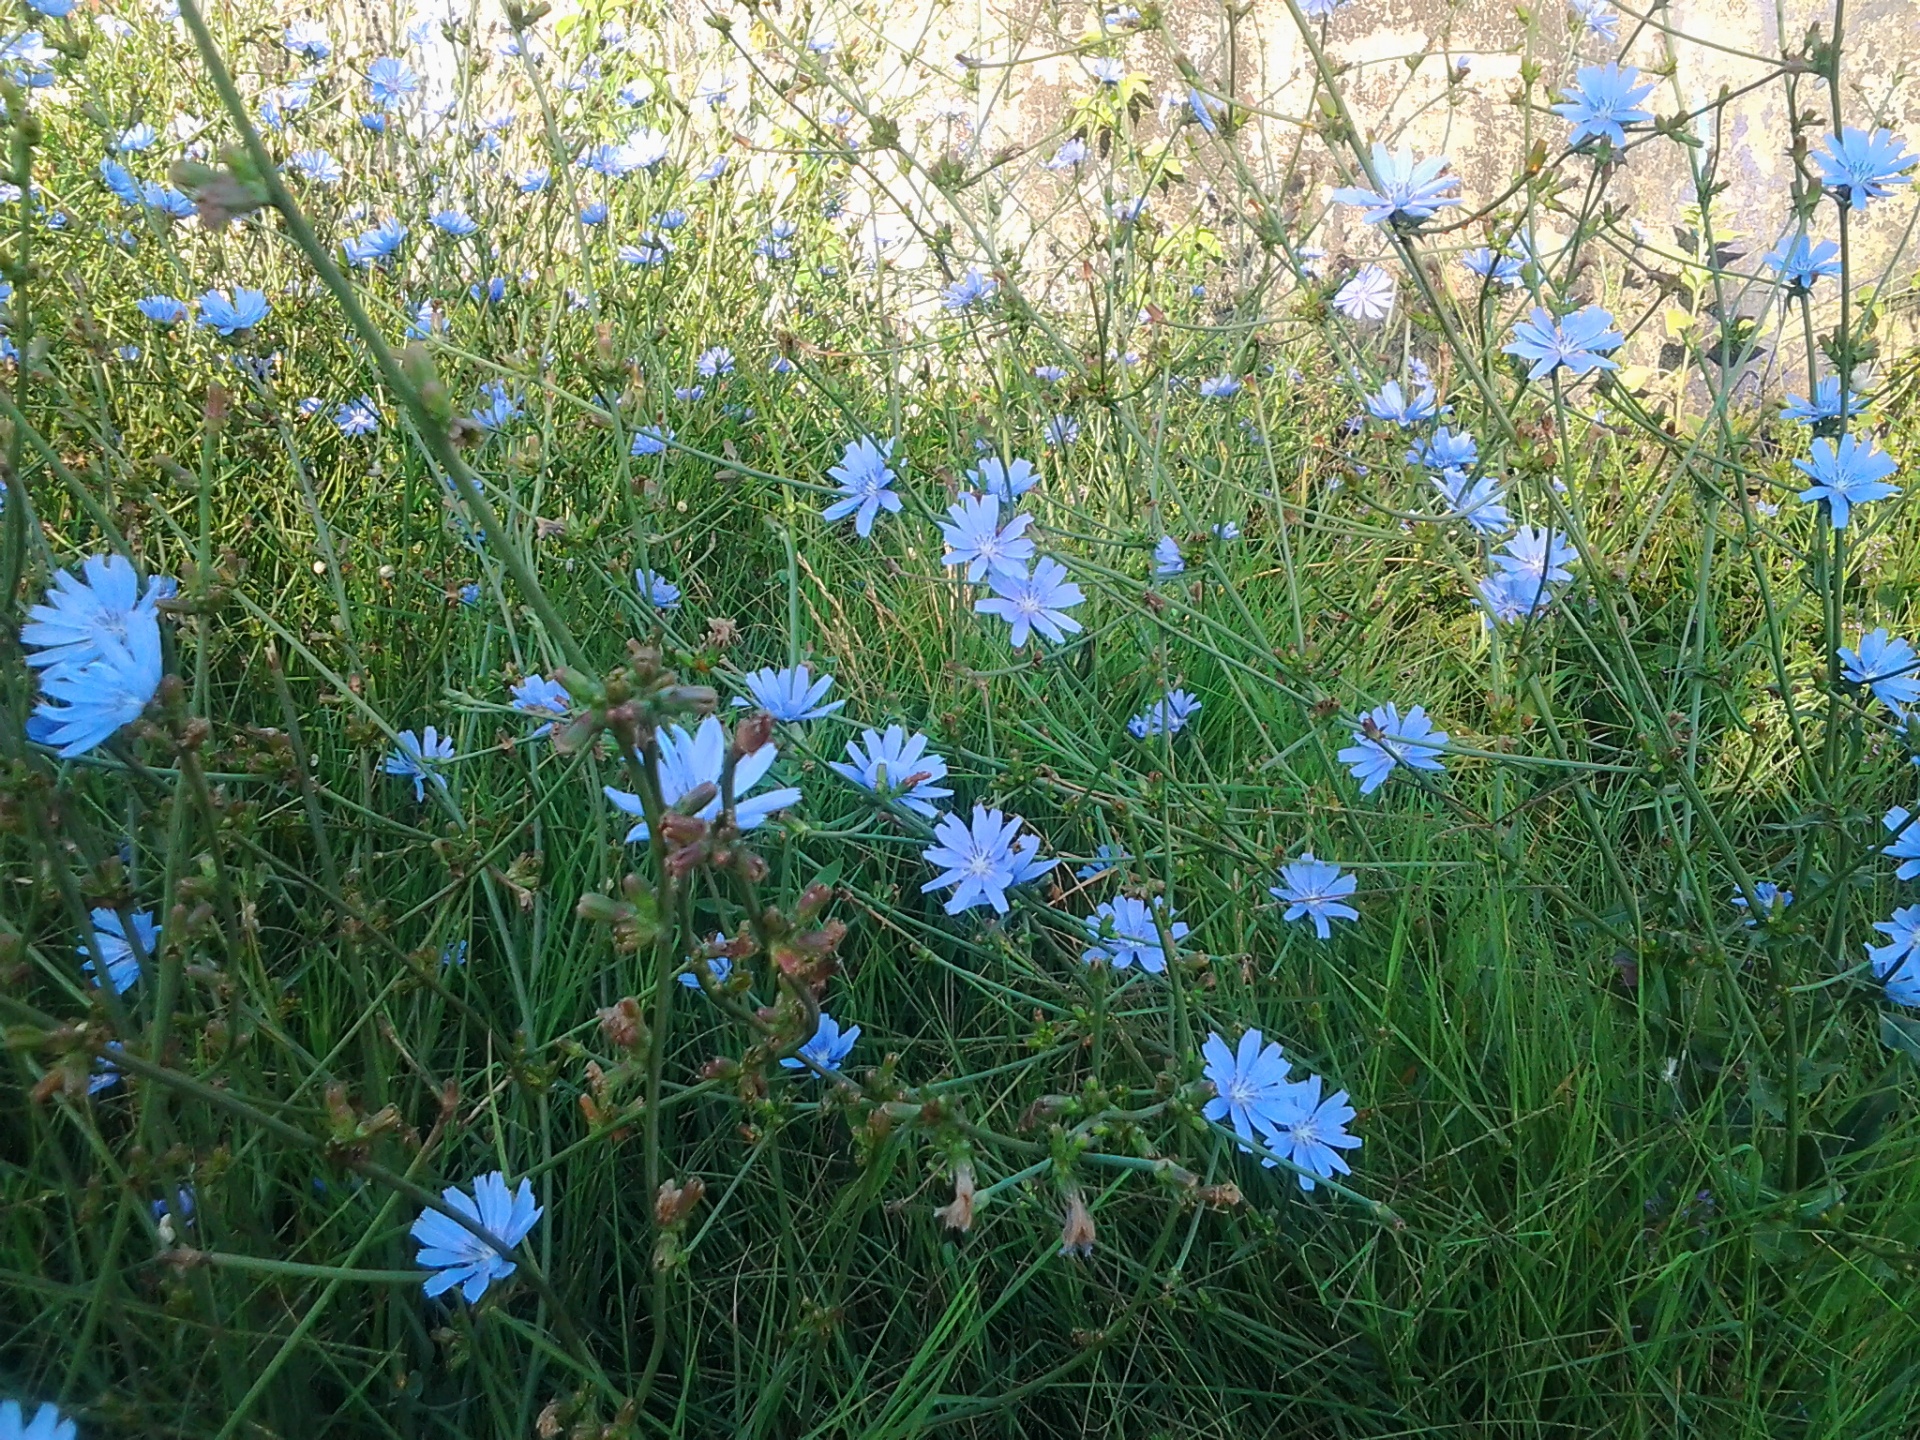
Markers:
point(630, 703)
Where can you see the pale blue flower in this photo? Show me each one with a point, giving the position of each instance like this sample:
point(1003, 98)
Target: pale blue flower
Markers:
point(1105, 858)
point(689, 761)
point(1853, 474)
point(454, 222)
point(1107, 70)
point(777, 243)
point(714, 169)
point(165, 199)
point(971, 289)
point(1124, 933)
point(1578, 341)
point(497, 408)
point(895, 766)
point(414, 757)
point(1598, 17)
point(1411, 190)
point(84, 703)
point(976, 539)
point(1051, 374)
point(718, 968)
point(1887, 666)
point(981, 861)
point(357, 417)
point(119, 180)
point(117, 960)
point(1315, 890)
point(1384, 740)
point(1452, 453)
point(1897, 963)
point(390, 81)
point(47, 1423)
point(1226, 532)
point(1166, 558)
point(1251, 1090)
point(231, 315)
point(828, 1048)
point(1034, 602)
point(651, 440)
point(308, 40)
point(1061, 431)
point(1367, 296)
point(1824, 407)
point(1495, 266)
point(1073, 152)
point(714, 362)
point(381, 243)
point(1773, 899)
point(658, 591)
point(1537, 555)
point(459, 1257)
point(318, 166)
point(1508, 598)
point(1166, 716)
point(1006, 480)
point(866, 481)
point(648, 251)
point(1604, 99)
point(537, 695)
point(1312, 1132)
point(1862, 166)
point(81, 621)
point(104, 1075)
point(534, 181)
point(1799, 262)
point(791, 694)
point(1220, 387)
point(135, 138)
point(163, 309)
point(1393, 405)
point(1906, 842)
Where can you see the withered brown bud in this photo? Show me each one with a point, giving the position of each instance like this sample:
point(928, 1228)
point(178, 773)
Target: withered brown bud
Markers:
point(675, 1202)
point(621, 1024)
point(721, 632)
point(678, 828)
point(752, 733)
point(959, 1214)
point(1076, 1231)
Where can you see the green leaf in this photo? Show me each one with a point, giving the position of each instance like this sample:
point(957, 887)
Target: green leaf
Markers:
point(1901, 1035)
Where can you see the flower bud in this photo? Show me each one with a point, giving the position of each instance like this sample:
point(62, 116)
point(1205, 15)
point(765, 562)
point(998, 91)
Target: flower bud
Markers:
point(675, 1202)
point(1076, 1232)
point(621, 1023)
point(752, 733)
point(959, 1214)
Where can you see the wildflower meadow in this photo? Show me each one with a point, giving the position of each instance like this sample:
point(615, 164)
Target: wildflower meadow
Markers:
point(810, 720)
